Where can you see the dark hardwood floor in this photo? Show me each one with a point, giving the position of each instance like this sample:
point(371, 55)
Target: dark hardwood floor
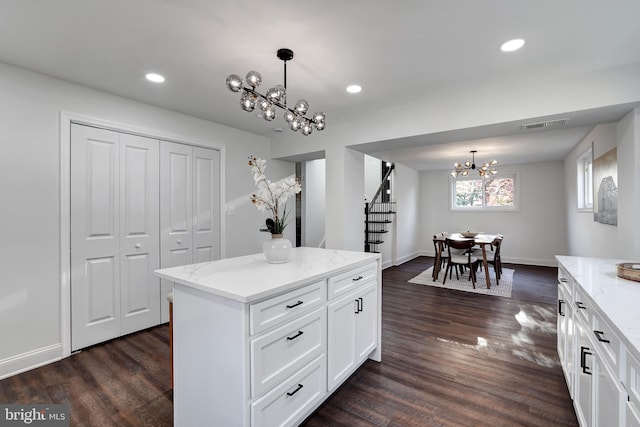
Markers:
point(449, 359)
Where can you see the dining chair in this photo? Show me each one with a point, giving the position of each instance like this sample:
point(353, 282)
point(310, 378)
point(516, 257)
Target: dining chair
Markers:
point(439, 247)
point(493, 257)
point(460, 254)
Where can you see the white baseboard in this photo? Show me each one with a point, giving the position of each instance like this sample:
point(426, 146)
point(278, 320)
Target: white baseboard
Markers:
point(406, 258)
point(30, 360)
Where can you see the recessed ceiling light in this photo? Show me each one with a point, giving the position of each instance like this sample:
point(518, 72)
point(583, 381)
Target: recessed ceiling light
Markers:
point(154, 77)
point(512, 45)
point(354, 88)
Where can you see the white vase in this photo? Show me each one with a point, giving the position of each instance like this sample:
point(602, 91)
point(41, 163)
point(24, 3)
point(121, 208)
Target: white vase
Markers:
point(277, 249)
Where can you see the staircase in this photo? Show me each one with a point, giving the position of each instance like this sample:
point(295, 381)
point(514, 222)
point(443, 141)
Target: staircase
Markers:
point(378, 214)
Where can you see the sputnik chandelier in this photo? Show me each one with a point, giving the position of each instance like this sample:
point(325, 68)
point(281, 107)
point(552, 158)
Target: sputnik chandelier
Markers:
point(486, 170)
point(275, 97)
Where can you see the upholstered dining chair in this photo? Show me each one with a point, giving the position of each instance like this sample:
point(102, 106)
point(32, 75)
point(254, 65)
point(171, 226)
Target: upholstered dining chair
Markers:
point(460, 254)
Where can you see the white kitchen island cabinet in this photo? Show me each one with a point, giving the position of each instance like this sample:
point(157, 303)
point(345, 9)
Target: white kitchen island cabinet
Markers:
point(259, 344)
point(599, 341)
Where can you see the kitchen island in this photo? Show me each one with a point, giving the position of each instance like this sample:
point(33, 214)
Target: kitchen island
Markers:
point(259, 344)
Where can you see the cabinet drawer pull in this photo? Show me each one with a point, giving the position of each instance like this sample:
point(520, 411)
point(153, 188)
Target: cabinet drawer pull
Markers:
point(580, 305)
point(560, 302)
point(600, 336)
point(295, 336)
point(355, 279)
point(563, 280)
point(295, 305)
point(291, 393)
point(583, 359)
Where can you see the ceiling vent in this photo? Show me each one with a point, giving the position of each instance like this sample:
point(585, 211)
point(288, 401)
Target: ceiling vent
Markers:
point(545, 125)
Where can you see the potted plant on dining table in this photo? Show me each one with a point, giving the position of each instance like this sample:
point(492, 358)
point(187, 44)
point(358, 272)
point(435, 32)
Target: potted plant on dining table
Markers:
point(272, 197)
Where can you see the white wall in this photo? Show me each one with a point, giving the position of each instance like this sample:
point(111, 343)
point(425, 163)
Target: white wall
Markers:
point(407, 223)
point(30, 293)
point(587, 237)
point(467, 108)
point(532, 235)
point(313, 203)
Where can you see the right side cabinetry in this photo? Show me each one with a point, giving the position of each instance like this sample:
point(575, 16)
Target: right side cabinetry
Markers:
point(598, 368)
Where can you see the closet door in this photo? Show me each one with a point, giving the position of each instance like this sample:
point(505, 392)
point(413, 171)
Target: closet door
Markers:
point(114, 235)
point(95, 243)
point(139, 232)
point(206, 204)
point(189, 208)
point(176, 212)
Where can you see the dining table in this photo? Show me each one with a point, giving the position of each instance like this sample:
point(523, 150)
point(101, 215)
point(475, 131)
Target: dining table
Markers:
point(481, 240)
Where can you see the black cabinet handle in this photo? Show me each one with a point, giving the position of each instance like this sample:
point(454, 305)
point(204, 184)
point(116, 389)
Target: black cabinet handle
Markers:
point(361, 304)
point(355, 279)
point(563, 280)
point(600, 336)
point(295, 305)
point(560, 302)
point(295, 336)
point(580, 305)
point(357, 303)
point(583, 359)
point(291, 393)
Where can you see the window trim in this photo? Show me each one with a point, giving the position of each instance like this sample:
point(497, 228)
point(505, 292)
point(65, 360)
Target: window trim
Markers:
point(582, 182)
point(476, 209)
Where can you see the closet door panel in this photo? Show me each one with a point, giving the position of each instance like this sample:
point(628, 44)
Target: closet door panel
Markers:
point(206, 204)
point(95, 258)
point(139, 225)
point(176, 212)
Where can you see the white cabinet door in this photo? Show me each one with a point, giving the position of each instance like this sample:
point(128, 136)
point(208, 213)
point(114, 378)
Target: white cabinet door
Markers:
point(366, 330)
point(633, 417)
point(584, 371)
point(566, 333)
point(190, 208)
point(352, 332)
point(610, 396)
point(114, 234)
point(341, 339)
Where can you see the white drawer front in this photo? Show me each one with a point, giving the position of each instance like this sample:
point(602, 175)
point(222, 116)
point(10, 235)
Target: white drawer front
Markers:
point(343, 283)
point(266, 314)
point(279, 353)
point(284, 405)
point(632, 381)
point(582, 305)
point(608, 343)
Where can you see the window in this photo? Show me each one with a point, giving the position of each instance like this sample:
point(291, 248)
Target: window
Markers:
point(585, 181)
point(495, 193)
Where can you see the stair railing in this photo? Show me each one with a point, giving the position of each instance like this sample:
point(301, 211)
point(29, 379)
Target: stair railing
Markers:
point(368, 205)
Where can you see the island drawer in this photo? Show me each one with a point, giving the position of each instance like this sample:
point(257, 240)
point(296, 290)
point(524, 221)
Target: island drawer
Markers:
point(345, 282)
point(278, 354)
point(266, 314)
point(609, 345)
point(582, 305)
point(291, 399)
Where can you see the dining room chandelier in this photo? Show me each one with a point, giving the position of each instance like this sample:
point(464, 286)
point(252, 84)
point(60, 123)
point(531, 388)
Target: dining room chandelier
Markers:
point(276, 96)
point(485, 170)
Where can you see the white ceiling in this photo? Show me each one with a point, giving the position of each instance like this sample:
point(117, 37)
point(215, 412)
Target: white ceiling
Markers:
point(394, 50)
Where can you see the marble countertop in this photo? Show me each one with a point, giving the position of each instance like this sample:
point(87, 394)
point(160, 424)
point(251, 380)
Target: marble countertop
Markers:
point(618, 299)
point(250, 278)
